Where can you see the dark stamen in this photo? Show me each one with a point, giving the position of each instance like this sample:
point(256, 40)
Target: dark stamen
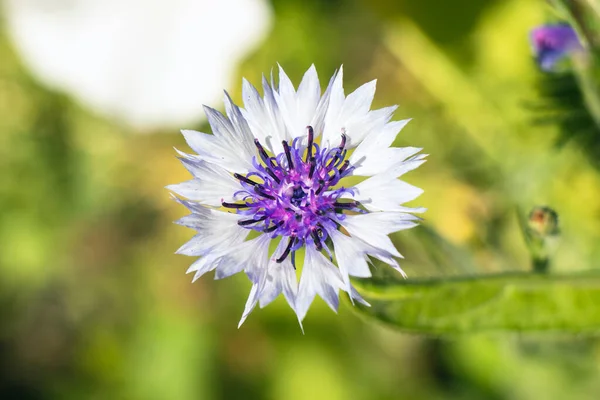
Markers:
point(311, 137)
point(272, 175)
point(320, 230)
point(333, 160)
point(341, 157)
point(288, 154)
point(343, 143)
point(234, 205)
point(263, 154)
point(316, 239)
point(321, 187)
point(352, 204)
point(261, 192)
point(313, 164)
point(294, 260)
point(344, 166)
point(287, 249)
point(267, 160)
point(244, 179)
point(273, 227)
point(245, 222)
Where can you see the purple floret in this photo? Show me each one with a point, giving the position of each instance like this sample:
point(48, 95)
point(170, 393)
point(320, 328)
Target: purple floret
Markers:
point(551, 43)
point(294, 194)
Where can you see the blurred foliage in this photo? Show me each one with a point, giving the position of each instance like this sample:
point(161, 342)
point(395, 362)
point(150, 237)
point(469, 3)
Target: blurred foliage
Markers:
point(509, 302)
point(94, 304)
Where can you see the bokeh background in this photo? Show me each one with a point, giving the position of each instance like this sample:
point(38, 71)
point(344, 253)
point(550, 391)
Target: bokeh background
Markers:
point(95, 305)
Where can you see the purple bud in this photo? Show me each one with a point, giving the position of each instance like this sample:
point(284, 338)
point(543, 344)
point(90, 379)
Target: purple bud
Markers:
point(551, 43)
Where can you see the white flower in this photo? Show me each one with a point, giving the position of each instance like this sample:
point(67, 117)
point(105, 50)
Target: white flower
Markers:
point(151, 63)
point(277, 168)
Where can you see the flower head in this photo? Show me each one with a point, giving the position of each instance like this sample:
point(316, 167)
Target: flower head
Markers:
point(551, 43)
point(270, 193)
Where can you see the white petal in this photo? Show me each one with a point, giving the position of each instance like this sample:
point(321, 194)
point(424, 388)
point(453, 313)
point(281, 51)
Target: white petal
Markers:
point(202, 143)
point(318, 121)
point(298, 108)
point(247, 255)
point(373, 228)
point(309, 91)
point(286, 90)
point(214, 239)
point(384, 192)
point(256, 267)
point(202, 266)
point(358, 126)
point(252, 299)
point(408, 165)
point(263, 116)
point(276, 130)
point(216, 229)
point(214, 150)
point(352, 116)
point(242, 137)
point(350, 255)
point(211, 184)
point(359, 101)
point(281, 277)
point(320, 277)
point(373, 155)
point(331, 128)
point(381, 140)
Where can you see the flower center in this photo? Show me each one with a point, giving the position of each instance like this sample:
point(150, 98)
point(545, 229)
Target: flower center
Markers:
point(293, 195)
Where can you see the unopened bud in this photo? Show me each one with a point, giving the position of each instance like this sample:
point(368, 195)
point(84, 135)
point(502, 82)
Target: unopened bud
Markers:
point(541, 232)
point(543, 221)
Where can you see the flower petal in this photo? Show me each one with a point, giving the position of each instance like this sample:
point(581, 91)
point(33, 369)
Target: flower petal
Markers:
point(245, 256)
point(373, 228)
point(384, 192)
point(374, 154)
point(211, 184)
point(263, 116)
point(281, 277)
point(298, 108)
point(320, 276)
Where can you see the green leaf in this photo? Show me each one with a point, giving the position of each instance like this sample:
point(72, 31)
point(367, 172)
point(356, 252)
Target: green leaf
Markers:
point(509, 302)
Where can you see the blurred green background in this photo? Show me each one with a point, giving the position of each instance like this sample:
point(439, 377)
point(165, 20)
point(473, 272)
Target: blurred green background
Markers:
point(95, 305)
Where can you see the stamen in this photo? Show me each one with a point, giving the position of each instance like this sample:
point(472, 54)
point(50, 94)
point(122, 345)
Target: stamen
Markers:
point(234, 205)
point(343, 143)
point(351, 204)
point(272, 175)
point(267, 160)
point(245, 222)
point(321, 187)
point(273, 227)
point(316, 239)
point(311, 134)
point(344, 166)
point(263, 154)
point(288, 154)
point(261, 192)
point(342, 157)
point(313, 164)
point(287, 250)
point(333, 160)
point(244, 179)
point(293, 195)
